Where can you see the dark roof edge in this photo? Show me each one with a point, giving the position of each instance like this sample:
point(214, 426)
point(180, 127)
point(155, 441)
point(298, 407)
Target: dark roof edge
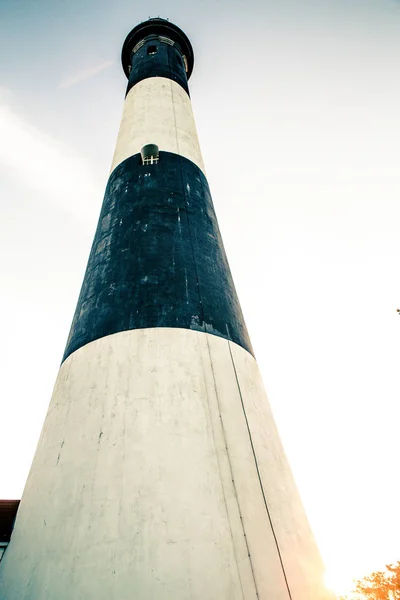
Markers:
point(160, 27)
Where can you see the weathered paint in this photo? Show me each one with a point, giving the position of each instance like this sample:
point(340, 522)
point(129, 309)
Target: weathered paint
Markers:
point(157, 258)
point(158, 111)
point(158, 474)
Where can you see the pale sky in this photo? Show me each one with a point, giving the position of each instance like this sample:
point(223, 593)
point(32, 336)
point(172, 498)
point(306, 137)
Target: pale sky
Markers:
point(297, 106)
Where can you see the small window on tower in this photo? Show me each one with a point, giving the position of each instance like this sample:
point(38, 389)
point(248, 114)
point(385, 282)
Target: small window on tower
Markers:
point(150, 154)
point(152, 50)
point(151, 160)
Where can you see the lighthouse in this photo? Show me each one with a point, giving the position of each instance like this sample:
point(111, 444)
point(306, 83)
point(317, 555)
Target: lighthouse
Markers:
point(159, 473)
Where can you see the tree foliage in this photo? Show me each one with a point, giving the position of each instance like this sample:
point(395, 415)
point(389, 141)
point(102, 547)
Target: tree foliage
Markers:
point(381, 585)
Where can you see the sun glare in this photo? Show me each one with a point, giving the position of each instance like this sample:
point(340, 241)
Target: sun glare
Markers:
point(339, 582)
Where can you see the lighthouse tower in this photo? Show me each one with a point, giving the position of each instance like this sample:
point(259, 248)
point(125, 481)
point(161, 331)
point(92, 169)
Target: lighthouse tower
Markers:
point(159, 474)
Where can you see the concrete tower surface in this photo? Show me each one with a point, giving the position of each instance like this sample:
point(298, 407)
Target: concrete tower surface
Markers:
point(159, 474)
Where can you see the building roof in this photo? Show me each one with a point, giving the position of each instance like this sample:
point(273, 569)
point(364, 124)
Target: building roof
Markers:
point(8, 512)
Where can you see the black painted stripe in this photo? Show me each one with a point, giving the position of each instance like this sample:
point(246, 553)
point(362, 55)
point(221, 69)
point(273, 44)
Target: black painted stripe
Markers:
point(156, 27)
point(157, 258)
point(167, 62)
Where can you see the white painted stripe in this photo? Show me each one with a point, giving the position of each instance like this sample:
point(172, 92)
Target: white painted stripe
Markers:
point(144, 483)
point(264, 480)
point(158, 111)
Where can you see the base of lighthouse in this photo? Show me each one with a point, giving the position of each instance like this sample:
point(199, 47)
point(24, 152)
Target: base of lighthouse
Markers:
point(159, 475)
